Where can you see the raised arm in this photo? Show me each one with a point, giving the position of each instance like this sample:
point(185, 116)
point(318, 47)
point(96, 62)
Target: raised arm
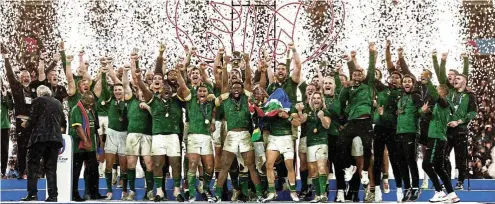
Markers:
point(71, 84)
point(336, 77)
point(54, 62)
point(388, 58)
point(84, 66)
point(125, 83)
point(216, 64)
point(183, 91)
point(268, 63)
point(41, 67)
point(320, 75)
point(296, 73)
point(147, 94)
point(134, 63)
point(14, 84)
point(403, 65)
point(187, 59)
point(262, 70)
point(97, 88)
point(61, 49)
point(111, 71)
point(436, 66)
point(225, 77)
point(465, 69)
point(248, 82)
point(159, 61)
point(103, 93)
point(372, 64)
point(204, 75)
point(351, 65)
point(442, 71)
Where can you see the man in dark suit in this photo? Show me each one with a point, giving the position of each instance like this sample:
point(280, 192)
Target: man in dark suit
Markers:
point(45, 123)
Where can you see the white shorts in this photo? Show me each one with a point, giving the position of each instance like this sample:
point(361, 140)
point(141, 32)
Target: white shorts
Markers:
point(317, 152)
point(199, 144)
point(357, 147)
point(238, 142)
point(259, 149)
point(165, 145)
point(217, 137)
point(103, 122)
point(295, 132)
point(186, 130)
point(283, 144)
point(115, 143)
point(220, 133)
point(303, 145)
point(138, 144)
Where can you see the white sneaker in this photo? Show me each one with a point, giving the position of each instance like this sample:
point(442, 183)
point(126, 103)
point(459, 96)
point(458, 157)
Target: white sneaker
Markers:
point(294, 196)
point(150, 195)
point(176, 191)
point(323, 199)
point(386, 186)
point(316, 199)
point(124, 195)
point(424, 185)
point(340, 196)
point(349, 172)
point(439, 196)
point(269, 198)
point(130, 196)
point(400, 195)
point(378, 194)
point(109, 196)
point(452, 197)
point(364, 178)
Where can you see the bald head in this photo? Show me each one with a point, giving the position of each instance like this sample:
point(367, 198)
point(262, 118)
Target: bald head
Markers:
point(88, 100)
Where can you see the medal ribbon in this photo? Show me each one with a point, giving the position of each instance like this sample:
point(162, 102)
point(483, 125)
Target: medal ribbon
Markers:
point(456, 105)
point(166, 105)
point(403, 104)
point(316, 122)
point(204, 110)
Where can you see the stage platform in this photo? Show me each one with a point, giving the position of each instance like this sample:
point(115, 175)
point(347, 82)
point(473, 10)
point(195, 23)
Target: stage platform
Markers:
point(482, 190)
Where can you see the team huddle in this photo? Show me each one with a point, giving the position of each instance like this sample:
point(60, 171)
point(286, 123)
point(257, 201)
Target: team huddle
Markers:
point(245, 125)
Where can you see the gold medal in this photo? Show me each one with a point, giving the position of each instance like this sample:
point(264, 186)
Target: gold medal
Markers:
point(103, 103)
point(166, 115)
point(207, 121)
point(315, 130)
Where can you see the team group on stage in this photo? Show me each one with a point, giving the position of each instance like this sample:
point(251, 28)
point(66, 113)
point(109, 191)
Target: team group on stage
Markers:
point(244, 125)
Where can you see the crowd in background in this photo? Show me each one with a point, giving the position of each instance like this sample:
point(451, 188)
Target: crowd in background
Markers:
point(483, 137)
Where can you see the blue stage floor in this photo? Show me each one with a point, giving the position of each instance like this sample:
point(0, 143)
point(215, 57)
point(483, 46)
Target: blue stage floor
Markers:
point(481, 191)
